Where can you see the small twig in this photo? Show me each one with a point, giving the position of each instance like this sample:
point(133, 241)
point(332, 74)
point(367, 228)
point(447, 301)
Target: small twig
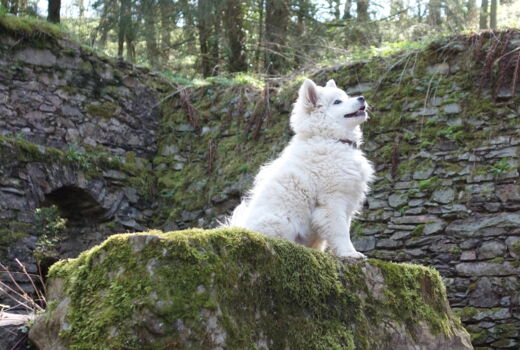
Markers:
point(37, 290)
point(515, 74)
point(395, 64)
point(18, 295)
point(268, 113)
point(395, 156)
point(11, 277)
point(168, 96)
point(191, 111)
point(212, 152)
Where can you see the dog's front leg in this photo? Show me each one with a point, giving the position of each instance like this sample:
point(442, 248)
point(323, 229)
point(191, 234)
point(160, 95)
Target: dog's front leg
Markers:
point(333, 225)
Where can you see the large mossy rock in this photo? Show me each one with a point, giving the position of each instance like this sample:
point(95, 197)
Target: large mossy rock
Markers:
point(233, 289)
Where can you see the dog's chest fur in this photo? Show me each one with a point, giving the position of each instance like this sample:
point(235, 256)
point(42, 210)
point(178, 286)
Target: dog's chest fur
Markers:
point(332, 167)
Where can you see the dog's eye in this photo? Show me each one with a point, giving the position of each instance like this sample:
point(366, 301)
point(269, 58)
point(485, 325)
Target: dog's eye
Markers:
point(337, 102)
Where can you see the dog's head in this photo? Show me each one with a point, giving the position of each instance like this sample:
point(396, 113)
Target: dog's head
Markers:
point(327, 111)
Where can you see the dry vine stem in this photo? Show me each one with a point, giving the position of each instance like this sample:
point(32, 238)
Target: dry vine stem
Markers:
point(18, 295)
point(191, 111)
point(212, 154)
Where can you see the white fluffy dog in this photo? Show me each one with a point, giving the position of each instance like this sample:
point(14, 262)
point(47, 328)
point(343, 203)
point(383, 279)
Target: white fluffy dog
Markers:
point(312, 191)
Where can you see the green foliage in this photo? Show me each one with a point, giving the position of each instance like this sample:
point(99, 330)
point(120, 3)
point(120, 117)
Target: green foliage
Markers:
point(356, 228)
point(428, 184)
point(501, 167)
point(50, 227)
point(454, 132)
point(74, 155)
point(467, 312)
point(249, 80)
point(418, 230)
point(49, 222)
point(455, 250)
point(9, 235)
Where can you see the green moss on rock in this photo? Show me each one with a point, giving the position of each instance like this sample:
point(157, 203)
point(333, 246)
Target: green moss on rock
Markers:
point(29, 28)
point(104, 110)
point(235, 289)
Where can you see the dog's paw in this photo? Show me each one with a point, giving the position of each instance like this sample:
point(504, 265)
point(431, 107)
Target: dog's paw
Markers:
point(354, 255)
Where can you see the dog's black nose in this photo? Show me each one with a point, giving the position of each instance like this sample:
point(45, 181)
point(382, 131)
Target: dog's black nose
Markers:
point(361, 99)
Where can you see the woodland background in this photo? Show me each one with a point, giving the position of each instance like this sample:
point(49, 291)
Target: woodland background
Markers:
point(189, 39)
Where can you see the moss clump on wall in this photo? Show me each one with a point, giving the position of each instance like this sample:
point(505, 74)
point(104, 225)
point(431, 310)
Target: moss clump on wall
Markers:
point(92, 162)
point(7, 237)
point(29, 28)
point(252, 289)
point(104, 110)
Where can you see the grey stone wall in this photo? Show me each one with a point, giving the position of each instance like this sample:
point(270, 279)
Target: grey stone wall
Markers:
point(95, 206)
point(103, 115)
point(451, 201)
point(61, 94)
point(466, 224)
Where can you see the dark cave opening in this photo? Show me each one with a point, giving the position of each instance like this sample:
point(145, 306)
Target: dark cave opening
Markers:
point(83, 214)
point(76, 205)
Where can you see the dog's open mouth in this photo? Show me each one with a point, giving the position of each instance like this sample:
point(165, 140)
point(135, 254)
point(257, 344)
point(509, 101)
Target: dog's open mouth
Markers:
point(359, 113)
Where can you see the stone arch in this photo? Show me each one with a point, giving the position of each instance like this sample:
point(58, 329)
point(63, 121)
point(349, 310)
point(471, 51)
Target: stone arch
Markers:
point(75, 204)
point(73, 192)
point(95, 207)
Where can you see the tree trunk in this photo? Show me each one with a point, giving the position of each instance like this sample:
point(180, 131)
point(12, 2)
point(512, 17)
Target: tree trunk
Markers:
point(204, 34)
point(260, 45)
point(493, 14)
point(337, 12)
point(209, 30)
point(130, 49)
point(103, 27)
point(484, 14)
point(346, 12)
point(233, 21)
point(131, 34)
point(123, 26)
point(166, 9)
point(22, 6)
point(126, 32)
point(396, 7)
point(276, 23)
point(11, 6)
point(472, 12)
point(434, 12)
point(303, 10)
point(188, 14)
point(362, 10)
point(53, 14)
point(81, 8)
point(214, 39)
point(148, 7)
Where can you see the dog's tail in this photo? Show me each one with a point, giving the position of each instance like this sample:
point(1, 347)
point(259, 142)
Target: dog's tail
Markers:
point(238, 217)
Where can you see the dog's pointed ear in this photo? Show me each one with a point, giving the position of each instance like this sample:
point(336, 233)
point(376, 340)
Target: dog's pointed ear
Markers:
point(331, 83)
point(308, 93)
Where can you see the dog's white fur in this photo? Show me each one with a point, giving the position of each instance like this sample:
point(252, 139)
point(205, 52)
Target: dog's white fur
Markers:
point(312, 191)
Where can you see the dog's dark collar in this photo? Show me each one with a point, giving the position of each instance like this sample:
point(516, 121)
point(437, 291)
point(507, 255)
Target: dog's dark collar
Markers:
point(348, 142)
